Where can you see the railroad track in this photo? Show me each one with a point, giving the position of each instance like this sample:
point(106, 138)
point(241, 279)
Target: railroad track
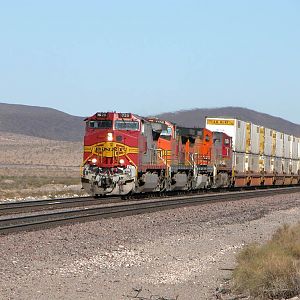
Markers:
point(48, 204)
point(54, 218)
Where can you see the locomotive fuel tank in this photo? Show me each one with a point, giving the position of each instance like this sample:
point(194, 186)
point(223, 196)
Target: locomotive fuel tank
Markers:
point(148, 182)
point(179, 182)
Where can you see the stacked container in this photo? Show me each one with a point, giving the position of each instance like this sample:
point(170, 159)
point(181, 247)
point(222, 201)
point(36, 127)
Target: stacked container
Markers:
point(257, 149)
point(295, 147)
point(268, 145)
point(287, 146)
point(268, 164)
point(256, 139)
point(279, 150)
point(237, 130)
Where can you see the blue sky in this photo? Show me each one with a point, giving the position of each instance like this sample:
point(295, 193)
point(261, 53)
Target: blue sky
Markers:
point(151, 56)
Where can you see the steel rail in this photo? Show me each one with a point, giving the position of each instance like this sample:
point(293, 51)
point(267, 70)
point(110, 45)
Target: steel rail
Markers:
point(47, 204)
point(40, 221)
point(8, 208)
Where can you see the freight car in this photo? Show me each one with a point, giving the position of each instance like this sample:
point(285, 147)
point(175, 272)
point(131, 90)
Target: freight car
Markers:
point(261, 156)
point(125, 153)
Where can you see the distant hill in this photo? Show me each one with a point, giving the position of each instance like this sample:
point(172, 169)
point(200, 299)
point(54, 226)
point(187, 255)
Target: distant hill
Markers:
point(196, 118)
point(53, 124)
point(41, 122)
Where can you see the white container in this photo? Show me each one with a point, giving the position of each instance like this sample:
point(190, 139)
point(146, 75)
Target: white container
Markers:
point(246, 137)
point(287, 142)
point(239, 162)
point(290, 166)
point(274, 142)
point(232, 127)
point(279, 144)
point(254, 163)
point(272, 158)
point(240, 137)
point(267, 166)
point(255, 139)
point(262, 140)
point(278, 165)
point(295, 145)
point(295, 166)
point(268, 146)
point(287, 166)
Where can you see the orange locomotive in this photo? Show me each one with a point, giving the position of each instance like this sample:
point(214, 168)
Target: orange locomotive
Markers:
point(125, 153)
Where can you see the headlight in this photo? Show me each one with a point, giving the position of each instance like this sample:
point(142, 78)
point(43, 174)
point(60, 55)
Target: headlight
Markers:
point(109, 136)
point(94, 160)
point(122, 161)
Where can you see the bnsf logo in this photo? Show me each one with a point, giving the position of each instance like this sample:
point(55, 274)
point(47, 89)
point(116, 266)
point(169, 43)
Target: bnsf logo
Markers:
point(110, 149)
point(104, 150)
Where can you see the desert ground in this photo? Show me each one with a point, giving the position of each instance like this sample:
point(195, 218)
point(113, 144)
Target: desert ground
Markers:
point(37, 167)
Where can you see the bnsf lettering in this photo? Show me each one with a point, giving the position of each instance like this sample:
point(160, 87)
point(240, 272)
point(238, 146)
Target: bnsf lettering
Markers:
point(110, 149)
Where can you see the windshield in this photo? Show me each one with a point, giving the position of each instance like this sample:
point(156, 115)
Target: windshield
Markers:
point(127, 125)
point(105, 124)
point(167, 132)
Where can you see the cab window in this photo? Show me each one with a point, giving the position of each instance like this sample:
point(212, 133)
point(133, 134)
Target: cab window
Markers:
point(104, 124)
point(166, 134)
point(127, 125)
point(226, 141)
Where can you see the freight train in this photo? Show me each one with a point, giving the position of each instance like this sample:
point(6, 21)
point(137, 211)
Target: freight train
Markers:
point(126, 154)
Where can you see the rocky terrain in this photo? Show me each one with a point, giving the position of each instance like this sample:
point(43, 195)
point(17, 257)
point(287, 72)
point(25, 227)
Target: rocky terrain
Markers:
point(183, 254)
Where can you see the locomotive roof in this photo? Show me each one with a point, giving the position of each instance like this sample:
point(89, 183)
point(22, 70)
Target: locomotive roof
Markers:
point(190, 131)
point(100, 115)
point(161, 121)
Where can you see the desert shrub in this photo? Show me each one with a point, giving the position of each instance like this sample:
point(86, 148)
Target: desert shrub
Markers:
point(271, 270)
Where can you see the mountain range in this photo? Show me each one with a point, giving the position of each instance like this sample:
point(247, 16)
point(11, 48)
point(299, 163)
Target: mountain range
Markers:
point(40, 122)
point(196, 118)
point(53, 124)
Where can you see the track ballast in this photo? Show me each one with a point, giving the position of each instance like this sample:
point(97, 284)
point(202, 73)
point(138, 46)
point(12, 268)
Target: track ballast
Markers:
point(56, 218)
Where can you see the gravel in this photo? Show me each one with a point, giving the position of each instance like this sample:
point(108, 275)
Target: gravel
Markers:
point(185, 252)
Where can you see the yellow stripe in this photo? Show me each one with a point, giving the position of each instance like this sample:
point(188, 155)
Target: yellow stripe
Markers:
point(110, 149)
